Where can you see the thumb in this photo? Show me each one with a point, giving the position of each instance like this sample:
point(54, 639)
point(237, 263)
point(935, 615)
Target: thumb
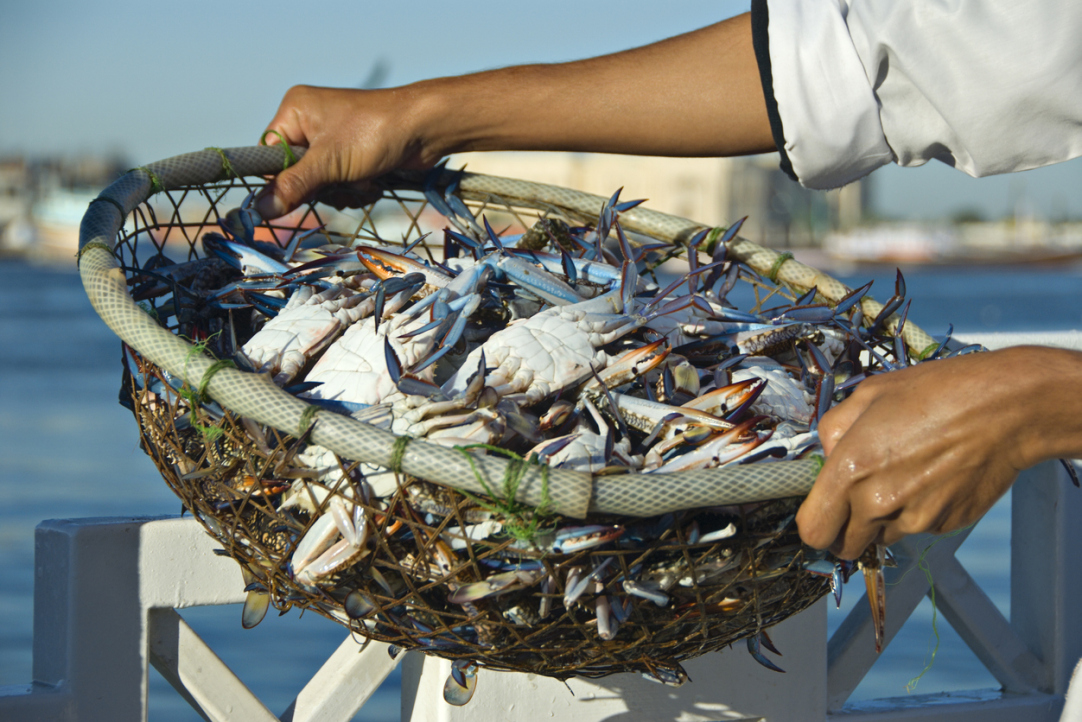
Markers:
point(292, 186)
point(837, 421)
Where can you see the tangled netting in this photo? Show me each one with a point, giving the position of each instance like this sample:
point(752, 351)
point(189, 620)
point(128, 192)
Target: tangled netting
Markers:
point(693, 560)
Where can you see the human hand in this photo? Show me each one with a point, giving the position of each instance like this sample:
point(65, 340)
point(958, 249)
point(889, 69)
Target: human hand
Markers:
point(930, 448)
point(352, 136)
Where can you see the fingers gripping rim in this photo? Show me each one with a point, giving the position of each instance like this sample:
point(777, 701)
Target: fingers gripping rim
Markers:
point(255, 396)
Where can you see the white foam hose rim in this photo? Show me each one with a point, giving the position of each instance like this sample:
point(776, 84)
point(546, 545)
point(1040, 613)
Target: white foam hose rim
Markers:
point(255, 396)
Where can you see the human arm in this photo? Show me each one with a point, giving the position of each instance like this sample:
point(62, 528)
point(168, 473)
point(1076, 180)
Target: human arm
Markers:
point(697, 94)
point(932, 447)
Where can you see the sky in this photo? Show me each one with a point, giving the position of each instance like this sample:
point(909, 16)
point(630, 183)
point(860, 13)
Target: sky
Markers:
point(149, 80)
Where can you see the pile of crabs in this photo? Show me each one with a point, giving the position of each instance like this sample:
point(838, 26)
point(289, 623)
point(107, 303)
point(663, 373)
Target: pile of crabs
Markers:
point(559, 345)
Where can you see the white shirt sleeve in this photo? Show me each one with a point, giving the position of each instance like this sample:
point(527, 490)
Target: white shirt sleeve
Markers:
point(986, 86)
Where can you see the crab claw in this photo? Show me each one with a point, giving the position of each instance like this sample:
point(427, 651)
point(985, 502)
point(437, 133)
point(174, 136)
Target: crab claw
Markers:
point(256, 602)
point(851, 299)
point(457, 325)
point(670, 676)
point(817, 313)
point(543, 451)
point(408, 383)
point(607, 215)
point(730, 234)
point(240, 222)
point(558, 413)
point(755, 644)
point(893, 304)
point(447, 203)
point(569, 267)
point(824, 397)
point(493, 586)
point(629, 366)
point(729, 402)
point(453, 241)
point(242, 256)
point(385, 264)
point(461, 683)
point(492, 235)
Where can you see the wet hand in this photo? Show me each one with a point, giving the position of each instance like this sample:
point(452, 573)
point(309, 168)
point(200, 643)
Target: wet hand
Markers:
point(932, 447)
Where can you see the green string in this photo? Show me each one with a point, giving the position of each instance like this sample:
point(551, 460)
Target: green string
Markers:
point(516, 470)
point(113, 202)
point(290, 158)
point(912, 684)
point(519, 520)
point(928, 351)
point(398, 451)
point(712, 239)
point(308, 417)
point(782, 258)
point(227, 167)
point(211, 370)
point(93, 244)
point(196, 397)
point(922, 564)
point(155, 182)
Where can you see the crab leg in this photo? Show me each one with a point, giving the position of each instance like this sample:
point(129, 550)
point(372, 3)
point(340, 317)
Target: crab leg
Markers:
point(318, 555)
point(872, 563)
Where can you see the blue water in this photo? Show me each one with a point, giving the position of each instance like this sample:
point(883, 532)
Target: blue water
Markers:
point(67, 449)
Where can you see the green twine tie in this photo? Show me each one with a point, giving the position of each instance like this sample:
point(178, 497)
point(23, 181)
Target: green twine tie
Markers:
point(111, 201)
point(227, 167)
point(516, 469)
point(398, 451)
point(93, 244)
point(214, 368)
point(778, 262)
point(712, 239)
point(519, 520)
point(308, 417)
point(155, 182)
point(928, 351)
point(290, 159)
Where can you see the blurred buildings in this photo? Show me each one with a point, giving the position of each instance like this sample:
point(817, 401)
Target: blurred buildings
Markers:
point(714, 191)
point(43, 200)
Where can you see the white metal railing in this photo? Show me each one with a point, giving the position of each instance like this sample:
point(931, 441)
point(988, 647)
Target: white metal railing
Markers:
point(106, 590)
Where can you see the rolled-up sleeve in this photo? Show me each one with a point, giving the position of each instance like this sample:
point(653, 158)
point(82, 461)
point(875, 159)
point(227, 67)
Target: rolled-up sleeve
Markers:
point(986, 86)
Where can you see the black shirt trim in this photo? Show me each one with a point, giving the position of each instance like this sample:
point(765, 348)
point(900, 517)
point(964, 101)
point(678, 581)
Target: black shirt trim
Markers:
point(760, 39)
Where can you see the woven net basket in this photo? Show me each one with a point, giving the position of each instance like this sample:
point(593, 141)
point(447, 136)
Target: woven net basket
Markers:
point(227, 442)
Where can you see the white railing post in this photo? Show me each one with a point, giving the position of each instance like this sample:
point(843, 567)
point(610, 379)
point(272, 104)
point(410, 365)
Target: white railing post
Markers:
point(104, 599)
point(1046, 578)
point(94, 581)
point(1046, 545)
